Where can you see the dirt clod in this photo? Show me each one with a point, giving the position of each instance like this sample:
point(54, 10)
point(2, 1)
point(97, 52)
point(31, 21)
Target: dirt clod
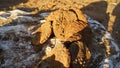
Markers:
point(65, 24)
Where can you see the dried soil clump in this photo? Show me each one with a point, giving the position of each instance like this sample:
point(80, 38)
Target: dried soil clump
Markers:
point(68, 23)
point(64, 24)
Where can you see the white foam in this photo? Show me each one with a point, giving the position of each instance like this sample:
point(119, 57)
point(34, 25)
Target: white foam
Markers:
point(18, 12)
point(44, 14)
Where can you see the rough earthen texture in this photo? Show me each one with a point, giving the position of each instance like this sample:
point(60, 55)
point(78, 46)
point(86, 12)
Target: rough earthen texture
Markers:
point(58, 57)
point(42, 33)
point(66, 25)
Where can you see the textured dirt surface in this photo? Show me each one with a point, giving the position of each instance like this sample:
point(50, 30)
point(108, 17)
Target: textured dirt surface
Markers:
point(64, 23)
point(106, 12)
point(58, 57)
point(42, 33)
point(61, 23)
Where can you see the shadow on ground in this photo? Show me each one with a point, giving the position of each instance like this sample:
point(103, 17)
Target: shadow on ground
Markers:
point(97, 11)
point(50, 62)
point(7, 4)
point(116, 25)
